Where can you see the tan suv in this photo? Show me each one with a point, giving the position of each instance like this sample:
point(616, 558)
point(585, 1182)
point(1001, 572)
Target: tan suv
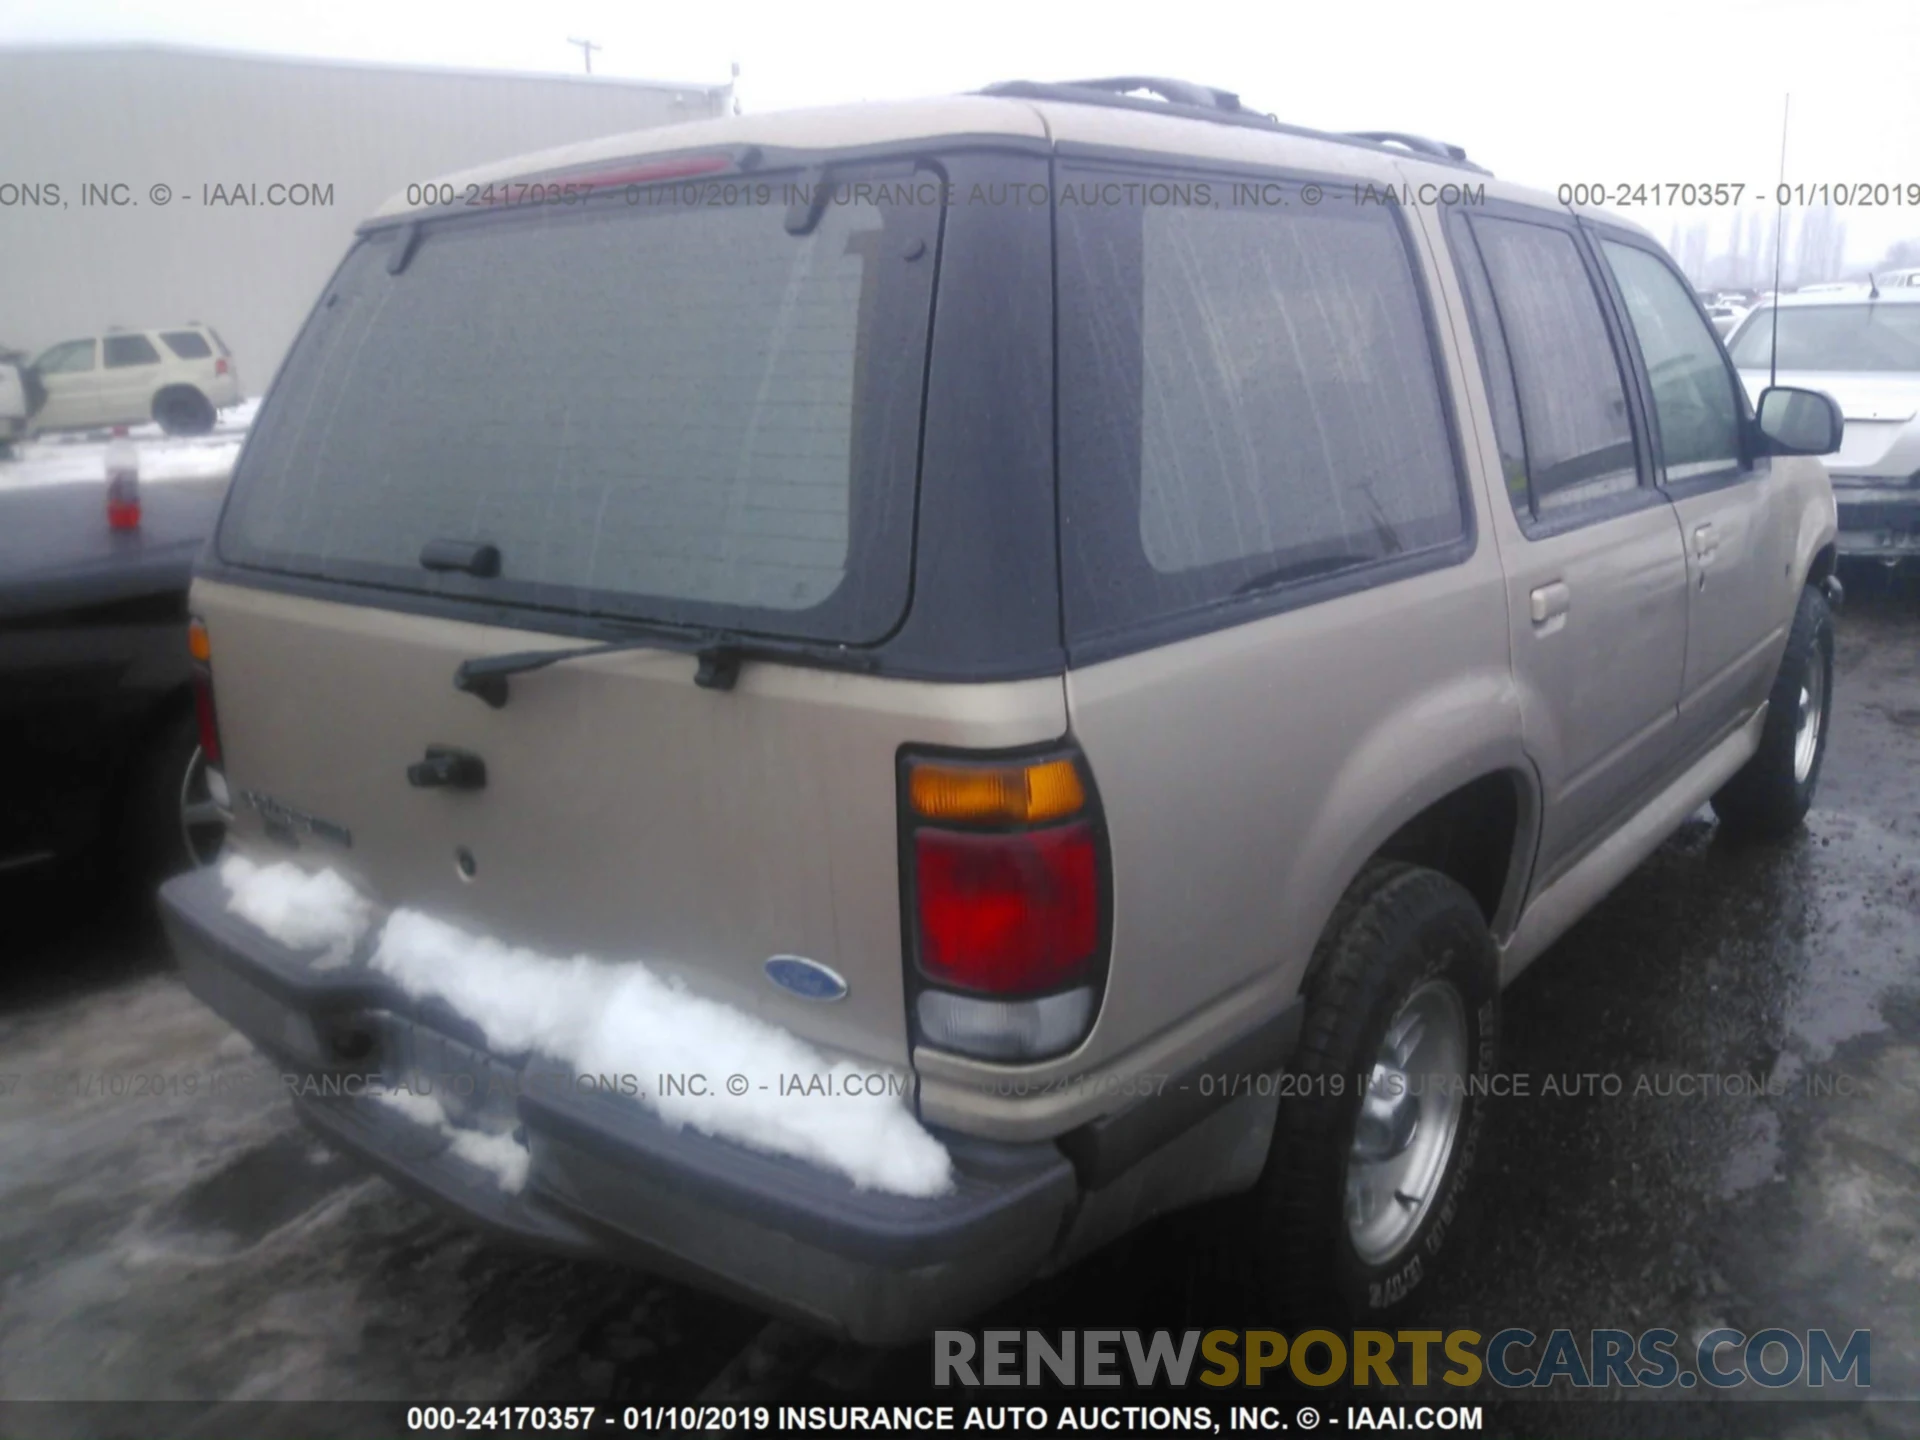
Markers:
point(849, 705)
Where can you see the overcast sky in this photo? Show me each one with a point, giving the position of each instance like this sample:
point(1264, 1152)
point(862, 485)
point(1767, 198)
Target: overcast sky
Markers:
point(1633, 91)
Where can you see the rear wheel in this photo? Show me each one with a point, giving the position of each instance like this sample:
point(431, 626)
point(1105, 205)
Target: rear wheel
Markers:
point(1770, 795)
point(183, 411)
point(1379, 1126)
point(174, 821)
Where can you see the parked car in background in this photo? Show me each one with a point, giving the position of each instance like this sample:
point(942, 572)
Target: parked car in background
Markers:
point(14, 404)
point(1898, 279)
point(1048, 614)
point(99, 745)
point(179, 378)
point(1725, 316)
point(1864, 350)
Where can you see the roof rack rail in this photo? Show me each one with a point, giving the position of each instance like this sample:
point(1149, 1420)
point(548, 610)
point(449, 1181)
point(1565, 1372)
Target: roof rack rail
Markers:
point(1207, 102)
point(1418, 144)
point(1182, 97)
point(1179, 92)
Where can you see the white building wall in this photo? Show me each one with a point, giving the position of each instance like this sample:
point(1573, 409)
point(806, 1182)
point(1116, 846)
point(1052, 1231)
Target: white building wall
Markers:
point(131, 119)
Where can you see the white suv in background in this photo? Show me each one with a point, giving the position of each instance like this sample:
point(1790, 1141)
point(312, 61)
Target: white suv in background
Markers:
point(13, 400)
point(178, 377)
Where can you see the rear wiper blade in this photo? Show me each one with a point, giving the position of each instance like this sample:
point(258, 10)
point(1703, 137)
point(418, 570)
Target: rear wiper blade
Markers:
point(1301, 570)
point(719, 656)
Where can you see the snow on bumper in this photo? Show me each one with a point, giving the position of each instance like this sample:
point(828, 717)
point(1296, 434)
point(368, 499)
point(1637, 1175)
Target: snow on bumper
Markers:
point(604, 1176)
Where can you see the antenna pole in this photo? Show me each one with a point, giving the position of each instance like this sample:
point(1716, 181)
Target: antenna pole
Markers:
point(1779, 247)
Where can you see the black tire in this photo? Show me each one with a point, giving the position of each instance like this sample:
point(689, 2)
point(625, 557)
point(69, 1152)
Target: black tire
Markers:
point(1769, 796)
point(183, 411)
point(155, 840)
point(1400, 932)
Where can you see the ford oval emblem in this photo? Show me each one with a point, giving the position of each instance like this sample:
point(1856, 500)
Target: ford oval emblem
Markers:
point(808, 979)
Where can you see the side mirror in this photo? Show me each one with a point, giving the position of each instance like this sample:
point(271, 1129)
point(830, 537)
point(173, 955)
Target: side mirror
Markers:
point(1799, 422)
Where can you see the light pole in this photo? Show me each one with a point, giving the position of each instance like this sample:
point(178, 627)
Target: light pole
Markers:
point(587, 47)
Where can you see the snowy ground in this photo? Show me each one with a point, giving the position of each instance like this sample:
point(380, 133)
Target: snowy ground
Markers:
point(81, 455)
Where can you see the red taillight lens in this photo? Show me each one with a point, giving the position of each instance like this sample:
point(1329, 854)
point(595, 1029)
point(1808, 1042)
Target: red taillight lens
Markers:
point(1008, 914)
point(203, 711)
point(200, 649)
point(220, 366)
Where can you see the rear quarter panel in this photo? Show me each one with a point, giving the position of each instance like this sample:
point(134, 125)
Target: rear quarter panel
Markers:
point(1247, 775)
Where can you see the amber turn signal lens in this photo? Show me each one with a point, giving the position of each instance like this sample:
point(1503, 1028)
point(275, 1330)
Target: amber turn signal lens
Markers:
point(198, 645)
point(997, 794)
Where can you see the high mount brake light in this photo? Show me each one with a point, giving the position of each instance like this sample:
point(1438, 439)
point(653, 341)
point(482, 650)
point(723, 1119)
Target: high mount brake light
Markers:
point(684, 168)
point(1005, 875)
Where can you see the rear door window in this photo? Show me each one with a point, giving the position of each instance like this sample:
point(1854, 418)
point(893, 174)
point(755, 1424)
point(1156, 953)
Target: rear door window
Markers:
point(1249, 395)
point(1578, 432)
point(673, 411)
point(124, 350)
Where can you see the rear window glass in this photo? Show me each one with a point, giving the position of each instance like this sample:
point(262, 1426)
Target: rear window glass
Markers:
point(1832, 337)
point(1248, 396)
point(187, 344)
point(674, 412)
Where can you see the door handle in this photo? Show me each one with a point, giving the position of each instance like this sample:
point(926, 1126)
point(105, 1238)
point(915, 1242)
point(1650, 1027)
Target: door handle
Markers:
point(448, 768)
point(1705, 542)
point(1550, 601)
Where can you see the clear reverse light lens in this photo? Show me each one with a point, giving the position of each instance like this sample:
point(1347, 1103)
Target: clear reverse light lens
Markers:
point(1005, 1029)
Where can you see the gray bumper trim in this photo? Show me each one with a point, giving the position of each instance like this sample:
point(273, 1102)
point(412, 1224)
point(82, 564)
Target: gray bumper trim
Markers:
point(609, 1179)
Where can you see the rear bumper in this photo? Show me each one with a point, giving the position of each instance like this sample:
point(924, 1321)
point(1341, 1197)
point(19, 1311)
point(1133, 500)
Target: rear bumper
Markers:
point(607, 1179)
point(1879, 522)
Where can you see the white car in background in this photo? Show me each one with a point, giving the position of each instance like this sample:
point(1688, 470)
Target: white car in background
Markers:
point(13, 401)
point(1725, 316)
point(1863, 349)
point(179, 378)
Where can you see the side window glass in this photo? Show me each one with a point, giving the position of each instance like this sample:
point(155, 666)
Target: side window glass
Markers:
point(73, 357)
point(1496, 366)
point(1693, 398)
point(1249, 398)
point(1573, 402)
point(123, 350)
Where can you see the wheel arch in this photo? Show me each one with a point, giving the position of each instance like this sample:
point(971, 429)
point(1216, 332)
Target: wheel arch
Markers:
point(1447, 786)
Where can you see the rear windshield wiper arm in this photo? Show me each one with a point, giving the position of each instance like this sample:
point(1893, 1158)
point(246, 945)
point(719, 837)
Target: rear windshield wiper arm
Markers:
point(719, 657)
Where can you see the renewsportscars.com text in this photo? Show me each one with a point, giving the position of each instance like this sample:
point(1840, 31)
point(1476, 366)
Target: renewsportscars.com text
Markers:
point(1607, 1359)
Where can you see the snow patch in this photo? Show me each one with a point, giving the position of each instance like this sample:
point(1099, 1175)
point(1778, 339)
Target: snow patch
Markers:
point(303, 910)
point(623, 1019)
point(604, 1018)
point(504, 1156)
point(81, 457)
